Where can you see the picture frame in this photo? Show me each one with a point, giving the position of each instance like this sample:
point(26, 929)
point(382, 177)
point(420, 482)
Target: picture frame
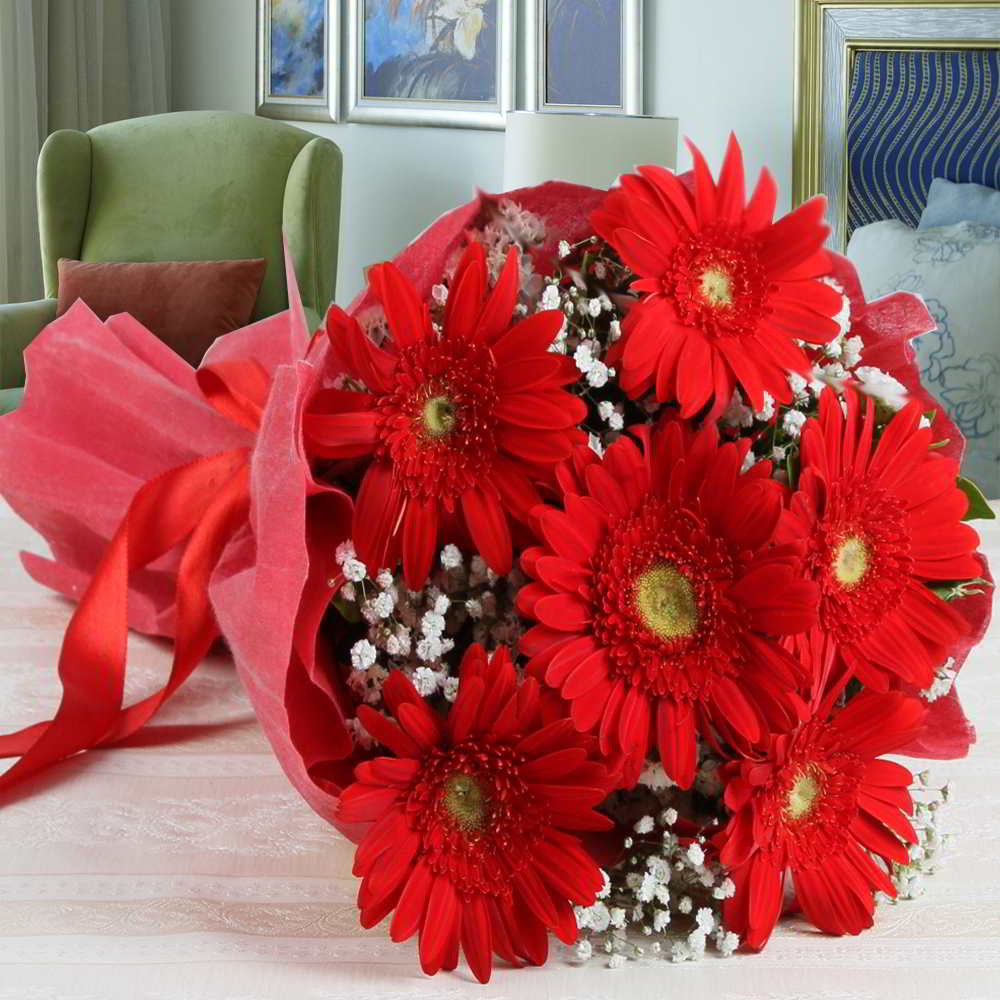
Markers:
point(453, 44)
point(308, 63)
point(538, 83)
point(829, 36)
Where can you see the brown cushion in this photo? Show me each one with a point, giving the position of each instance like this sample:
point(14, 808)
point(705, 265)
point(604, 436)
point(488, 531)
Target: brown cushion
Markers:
point(187, 304)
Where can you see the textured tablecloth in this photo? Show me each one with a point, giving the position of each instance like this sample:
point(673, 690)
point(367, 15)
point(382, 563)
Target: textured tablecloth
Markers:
point(189, 869)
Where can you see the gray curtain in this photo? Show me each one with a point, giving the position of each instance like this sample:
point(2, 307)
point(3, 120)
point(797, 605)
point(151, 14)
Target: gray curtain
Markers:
point(67, 64)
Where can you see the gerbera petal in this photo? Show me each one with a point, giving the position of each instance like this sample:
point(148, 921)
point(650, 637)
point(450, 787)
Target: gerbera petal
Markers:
point(499, 308)
point(704, 187)
point(732, 184)
point(366, 803)
point(878, 839)
point(587, 675)
point(465, 298)
point(543, 447)
point(377, 515)
point(341, 435)
point(477, 940)
point(529, 373)
point(387, 732)
point(420, 531)
point(765, 894)
point(760, 209)
point(545, 410)
point(639, 254)
point(404, 312)
point(794, 237)
point(675, 732)
point(889, 816)
point(488, 526)
point(530, 337)
point(564, 611)
point(412, 904)
point(736, 708)
point(694, 375)
point(440, 925)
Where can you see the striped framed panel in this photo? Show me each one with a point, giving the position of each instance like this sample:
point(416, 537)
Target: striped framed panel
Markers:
point(889, 95)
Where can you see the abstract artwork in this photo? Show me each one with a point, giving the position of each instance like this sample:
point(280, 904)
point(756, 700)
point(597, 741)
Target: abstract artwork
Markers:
point(298, 48)
point(297, 59)
point(586, 55)
point(432, 49)
point(583, 52)
point(439, 60)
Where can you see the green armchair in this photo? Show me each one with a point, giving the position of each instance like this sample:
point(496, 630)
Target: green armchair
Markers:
point(194, 185)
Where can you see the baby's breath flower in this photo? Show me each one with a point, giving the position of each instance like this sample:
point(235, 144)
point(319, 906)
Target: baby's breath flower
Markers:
point(644, 825)
point(425, 681)
point(354, 570)
point(383, 604)
point(851, 354)
point(598, 374)
point(766, 413)
point(363, 655)
point(451, 557)
point(793, 422)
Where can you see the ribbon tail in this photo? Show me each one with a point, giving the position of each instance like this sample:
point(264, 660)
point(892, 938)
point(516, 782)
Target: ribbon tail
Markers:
point(164, 512)
point(196, 627)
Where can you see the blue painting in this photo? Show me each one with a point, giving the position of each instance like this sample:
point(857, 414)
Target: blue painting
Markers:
point(583, 53)
point(435, 50)
point(298, 48)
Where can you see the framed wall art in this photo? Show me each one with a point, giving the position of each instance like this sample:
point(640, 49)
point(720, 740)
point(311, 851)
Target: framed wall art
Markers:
point(889, 95)
point(298, 59)
point(431, 62)
point(584, 55)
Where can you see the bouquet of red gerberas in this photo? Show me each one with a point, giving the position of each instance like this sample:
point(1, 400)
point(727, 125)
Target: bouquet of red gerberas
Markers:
point(583, 572)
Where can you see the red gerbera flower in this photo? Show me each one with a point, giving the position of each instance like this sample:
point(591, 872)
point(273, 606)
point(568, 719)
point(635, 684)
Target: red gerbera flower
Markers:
point(657, 594)
point(468, 843)
point(726, 290)
point(458, 420)
point(880, 520)
point(821, 805)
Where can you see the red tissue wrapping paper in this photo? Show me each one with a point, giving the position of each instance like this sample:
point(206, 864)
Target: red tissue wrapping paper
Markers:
point(887, 326)
point(108, 407)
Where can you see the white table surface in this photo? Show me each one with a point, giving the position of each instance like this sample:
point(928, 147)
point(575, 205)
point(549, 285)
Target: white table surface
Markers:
point(189, 869)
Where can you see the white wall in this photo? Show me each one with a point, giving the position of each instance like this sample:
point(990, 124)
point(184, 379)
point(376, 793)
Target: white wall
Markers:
point(718, 65)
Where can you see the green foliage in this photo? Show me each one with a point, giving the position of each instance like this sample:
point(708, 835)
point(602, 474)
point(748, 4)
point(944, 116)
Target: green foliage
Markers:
point(979, 508)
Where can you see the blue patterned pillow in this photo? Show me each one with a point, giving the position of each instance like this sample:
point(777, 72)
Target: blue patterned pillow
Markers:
point(956, 269)
point(948, 204)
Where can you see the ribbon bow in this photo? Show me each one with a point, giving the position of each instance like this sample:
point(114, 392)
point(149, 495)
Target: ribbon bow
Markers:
point(200, 505)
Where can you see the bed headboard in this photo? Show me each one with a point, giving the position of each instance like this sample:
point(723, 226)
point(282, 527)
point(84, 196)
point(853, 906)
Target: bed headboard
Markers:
point(890, 94)
point(913, 115)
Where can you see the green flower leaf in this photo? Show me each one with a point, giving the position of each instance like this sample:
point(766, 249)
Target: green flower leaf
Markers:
point(348, 609)
point(956, 590)
point(979, 508)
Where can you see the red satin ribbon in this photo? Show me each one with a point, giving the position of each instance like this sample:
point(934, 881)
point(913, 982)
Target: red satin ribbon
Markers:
point(204, 503)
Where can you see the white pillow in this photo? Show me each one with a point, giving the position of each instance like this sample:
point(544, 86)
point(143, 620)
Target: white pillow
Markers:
point(957, 271)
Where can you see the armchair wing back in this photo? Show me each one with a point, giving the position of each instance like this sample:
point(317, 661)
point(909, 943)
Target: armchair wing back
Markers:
point(193, 185)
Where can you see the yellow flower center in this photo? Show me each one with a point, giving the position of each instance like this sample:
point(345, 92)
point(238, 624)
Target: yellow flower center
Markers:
point(465, 801)
point(802, 795)
point(666, 602)
point(716, 287)
point(439, 416)
point(850, 564)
